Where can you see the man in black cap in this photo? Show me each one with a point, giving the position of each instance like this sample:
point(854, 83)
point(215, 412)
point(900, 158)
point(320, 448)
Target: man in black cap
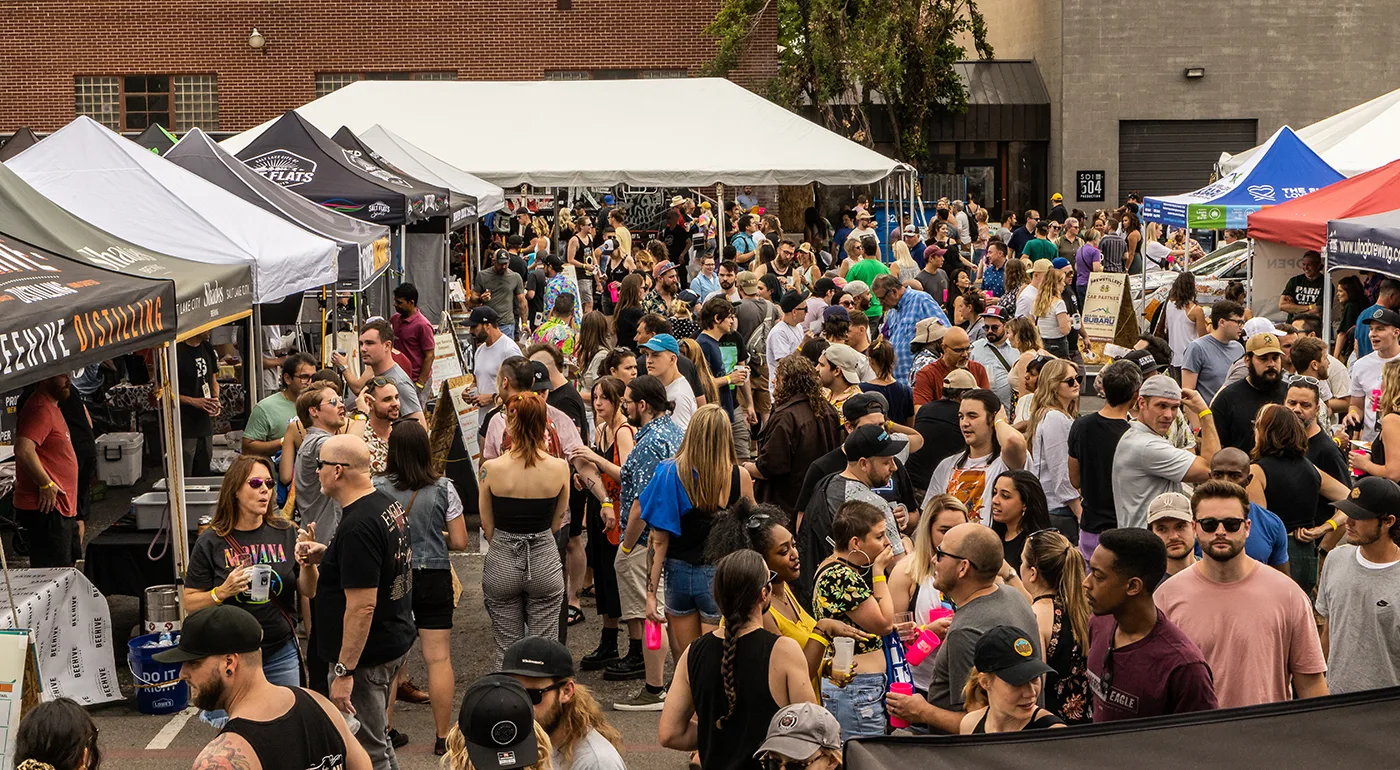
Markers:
point(503, 290)
point(1384, 334)
point(270, 727)
point(493, 345)
point(497, 722)
point(564, 708)
point(1360, 579)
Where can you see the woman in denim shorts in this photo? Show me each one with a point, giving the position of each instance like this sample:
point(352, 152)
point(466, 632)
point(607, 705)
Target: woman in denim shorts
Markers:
point(680, 504)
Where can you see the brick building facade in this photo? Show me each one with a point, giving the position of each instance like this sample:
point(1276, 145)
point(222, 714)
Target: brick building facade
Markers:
point(142, 61)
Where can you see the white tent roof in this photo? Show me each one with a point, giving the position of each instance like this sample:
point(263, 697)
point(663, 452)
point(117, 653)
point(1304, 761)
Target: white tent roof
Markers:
point(1363, 138)
point(559, 134)
point(421, 164)
point(133, 193)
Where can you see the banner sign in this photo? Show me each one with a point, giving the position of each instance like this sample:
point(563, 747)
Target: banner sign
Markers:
point(72, 631)
point(1365, 243)
point(1108, 311)
point(57, 314)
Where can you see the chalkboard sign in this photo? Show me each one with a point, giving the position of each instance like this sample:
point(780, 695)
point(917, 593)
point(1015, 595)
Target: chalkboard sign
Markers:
point(1089, 185)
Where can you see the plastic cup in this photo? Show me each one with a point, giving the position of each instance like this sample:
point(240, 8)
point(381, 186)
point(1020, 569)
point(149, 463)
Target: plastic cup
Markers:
point(903, 688)
point(260, 587)
point(844, 655)
point(924, 645)
point(653, 635)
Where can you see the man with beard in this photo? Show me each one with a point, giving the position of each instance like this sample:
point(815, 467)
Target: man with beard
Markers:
point(268, 422)
point(928, 383)
point(1236, 405)
point(1146, 464)
point(1268, 538)
point(728, 277)
point(563, 707)
point(966, 573)
point(377, 355)
point(1362, 643)
point(1254, 626)
point(1169, 517)
point(995, 352)
point(46, 476)
point(270, 727)
point(1140, 664)
point(492, 347)
point(663, 293)
point(502, 290)
point(322, 411)
point(383, 411)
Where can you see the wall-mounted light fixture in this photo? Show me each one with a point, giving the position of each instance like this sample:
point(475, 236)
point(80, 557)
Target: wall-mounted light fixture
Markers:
point(257, 41)
point(1192, 73)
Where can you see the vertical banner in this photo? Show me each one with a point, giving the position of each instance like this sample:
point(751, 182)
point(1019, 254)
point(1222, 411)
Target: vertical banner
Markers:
point(14, 649)
point(1108, 314)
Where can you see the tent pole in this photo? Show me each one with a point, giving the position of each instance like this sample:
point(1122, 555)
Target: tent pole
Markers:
point(255, 339)
point(174, 458)
point(325, 356)
point(1326, 302)
point(1249, 282)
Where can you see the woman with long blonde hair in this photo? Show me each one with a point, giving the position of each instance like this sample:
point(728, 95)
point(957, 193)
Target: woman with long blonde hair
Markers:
point(911, 581)
point(1379, 462)
point(1026, 339)
point(1053, 409)
point(904, 267)
point(512, 716)
point(524, 494)
point(691, 350)
point(680, 503)
point(1052, 572)
point(1051, 314)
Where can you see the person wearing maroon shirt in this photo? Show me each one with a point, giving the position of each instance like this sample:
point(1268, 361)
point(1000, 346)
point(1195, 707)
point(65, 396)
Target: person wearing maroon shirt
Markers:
point(928, 383)
point(1140, 663)
point(46, 476)
point(413, 335)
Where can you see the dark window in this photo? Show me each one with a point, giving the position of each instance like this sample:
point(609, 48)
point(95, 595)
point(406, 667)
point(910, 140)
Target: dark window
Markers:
point(147, 100)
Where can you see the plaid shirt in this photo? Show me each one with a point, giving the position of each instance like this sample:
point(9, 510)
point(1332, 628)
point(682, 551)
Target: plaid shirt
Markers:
point(658, 440)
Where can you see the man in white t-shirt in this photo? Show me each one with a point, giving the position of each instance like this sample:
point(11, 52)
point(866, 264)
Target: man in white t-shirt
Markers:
point(663, 351)
point(786, 335)
point(993, 447)
point(1147, 464)
point(1026, 299)
point(1366, 372)
point(492, 348)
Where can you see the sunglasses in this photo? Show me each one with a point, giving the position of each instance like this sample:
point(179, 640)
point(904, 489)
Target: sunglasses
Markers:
point(257, 482)
point(939, 553)
point(772, 762)
point(333, 403)
point(1071, 381)
point(379, 382)
point(1231, 525)
point(537, 694)
point(323, 463)
point(757, 521)
point(1309, 380)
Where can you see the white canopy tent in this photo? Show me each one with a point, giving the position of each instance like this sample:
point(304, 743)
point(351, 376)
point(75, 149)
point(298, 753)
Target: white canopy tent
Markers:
point(420, 164)
point(762, 143)
point(1360, 139)
point(133, 193)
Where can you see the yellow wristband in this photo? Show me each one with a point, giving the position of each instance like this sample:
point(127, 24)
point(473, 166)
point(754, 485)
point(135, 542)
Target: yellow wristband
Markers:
point(878, 579)
point(822, 640)
point(1333, 523)
point(214, 594)
point(625, 550)
point(1204, 413)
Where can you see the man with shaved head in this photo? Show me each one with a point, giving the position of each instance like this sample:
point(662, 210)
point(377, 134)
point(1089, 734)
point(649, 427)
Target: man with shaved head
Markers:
point(1267, 542)
point(967, 565)
point(957, 350)
point(363, 609)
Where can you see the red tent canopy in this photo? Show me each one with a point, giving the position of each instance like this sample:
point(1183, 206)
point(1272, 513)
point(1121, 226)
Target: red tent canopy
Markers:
point(1302, 222)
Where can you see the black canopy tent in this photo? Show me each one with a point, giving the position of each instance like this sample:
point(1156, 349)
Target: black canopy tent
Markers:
point(365, 157)
point(156, 139)
point(18, 142)
point(59, 314)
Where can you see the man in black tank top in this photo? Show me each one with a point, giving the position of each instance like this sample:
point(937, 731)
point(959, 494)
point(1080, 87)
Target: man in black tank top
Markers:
point(270, 727)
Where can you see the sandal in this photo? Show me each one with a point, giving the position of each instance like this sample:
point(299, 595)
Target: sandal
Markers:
point(586, 591)
point(575, 615)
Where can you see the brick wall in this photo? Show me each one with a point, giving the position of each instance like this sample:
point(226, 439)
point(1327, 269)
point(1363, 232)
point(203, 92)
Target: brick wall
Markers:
point(514, 40)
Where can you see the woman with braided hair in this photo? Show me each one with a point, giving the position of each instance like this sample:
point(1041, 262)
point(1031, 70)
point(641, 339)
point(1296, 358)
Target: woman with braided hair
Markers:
point(734, 679)
point(58, 735)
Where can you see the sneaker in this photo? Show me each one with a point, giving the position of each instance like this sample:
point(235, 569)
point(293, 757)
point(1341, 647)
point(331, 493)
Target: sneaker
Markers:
point(398, 739)
point(626, 668)
point(644, 700)
point(599, 659)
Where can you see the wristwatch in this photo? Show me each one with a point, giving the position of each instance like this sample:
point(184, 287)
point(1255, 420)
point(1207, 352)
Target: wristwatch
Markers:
point(341, 671)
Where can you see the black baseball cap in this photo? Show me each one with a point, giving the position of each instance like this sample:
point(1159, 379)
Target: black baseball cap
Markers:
point(498, 722)
point(792, 299)
point(219, 630)
point(539, 380)
point(535, 656)
point(503, 256)
point(1007, 651)
point(514, 241)
point(554, 261)
point(483, 314)
point(1385, 315)
point(1145, 361)
point(823, 286)
point(871, 441)
point(1371, 498)
point(861, 404)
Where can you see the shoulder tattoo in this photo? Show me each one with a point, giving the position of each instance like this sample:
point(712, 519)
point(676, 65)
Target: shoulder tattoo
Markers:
point(222, 754)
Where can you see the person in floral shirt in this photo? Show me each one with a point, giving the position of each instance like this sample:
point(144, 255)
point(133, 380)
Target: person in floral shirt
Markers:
point(559, 330)
point(559, 283)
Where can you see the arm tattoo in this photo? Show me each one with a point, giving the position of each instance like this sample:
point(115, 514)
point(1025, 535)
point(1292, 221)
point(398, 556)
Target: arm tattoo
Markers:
point(221, 754)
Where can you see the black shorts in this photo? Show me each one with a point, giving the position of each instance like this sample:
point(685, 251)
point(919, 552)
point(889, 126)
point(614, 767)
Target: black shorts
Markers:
point(600, 557)
point(578, 507)
point(432, 599)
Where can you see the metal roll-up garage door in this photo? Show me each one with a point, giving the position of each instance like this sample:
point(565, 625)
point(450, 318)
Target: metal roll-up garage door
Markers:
point(1168, 157)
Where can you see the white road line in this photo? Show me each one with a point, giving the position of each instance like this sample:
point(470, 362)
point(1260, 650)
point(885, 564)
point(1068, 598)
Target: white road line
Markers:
point(171, 729)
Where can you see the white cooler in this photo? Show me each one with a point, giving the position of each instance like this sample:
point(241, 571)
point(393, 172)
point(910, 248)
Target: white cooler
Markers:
point(119, 458)
point(153, 509)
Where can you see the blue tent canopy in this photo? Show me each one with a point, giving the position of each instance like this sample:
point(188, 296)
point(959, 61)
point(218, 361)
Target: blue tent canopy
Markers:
point(1282, 169)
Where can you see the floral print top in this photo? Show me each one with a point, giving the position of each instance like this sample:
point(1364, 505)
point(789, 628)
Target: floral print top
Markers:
point(838, 590)
point(1067, 687)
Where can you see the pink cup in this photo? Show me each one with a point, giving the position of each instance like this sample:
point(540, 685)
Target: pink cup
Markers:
point(903, 688)
point(924, 645)
point(653, 635)
point(938, 613)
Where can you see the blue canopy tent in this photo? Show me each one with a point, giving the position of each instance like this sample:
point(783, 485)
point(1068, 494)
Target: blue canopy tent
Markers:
point(1282, 169)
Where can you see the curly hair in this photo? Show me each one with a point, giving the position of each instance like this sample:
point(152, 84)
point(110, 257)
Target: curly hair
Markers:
point(746, 525)
point(797, 376)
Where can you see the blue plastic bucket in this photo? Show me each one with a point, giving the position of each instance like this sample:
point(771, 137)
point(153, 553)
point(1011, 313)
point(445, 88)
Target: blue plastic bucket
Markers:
point(158, 686)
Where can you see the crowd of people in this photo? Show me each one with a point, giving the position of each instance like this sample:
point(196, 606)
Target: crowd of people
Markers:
point(798, 459)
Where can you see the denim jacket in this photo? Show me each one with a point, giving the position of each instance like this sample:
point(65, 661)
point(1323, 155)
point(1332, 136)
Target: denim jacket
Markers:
point(427, 520)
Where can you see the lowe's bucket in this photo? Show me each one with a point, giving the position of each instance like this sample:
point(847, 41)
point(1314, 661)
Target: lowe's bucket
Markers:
point(158, 686)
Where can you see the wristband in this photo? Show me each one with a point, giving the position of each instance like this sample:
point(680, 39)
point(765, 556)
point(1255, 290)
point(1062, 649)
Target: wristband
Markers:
point(878, 579)
point(214, 593)
point(1333, 522)
point(822, 640)
point(1204, 413)
point(48, 486)
point(625, 550)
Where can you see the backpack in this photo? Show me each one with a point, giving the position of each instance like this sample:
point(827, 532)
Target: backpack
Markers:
point(814, 536)
point(757, 343)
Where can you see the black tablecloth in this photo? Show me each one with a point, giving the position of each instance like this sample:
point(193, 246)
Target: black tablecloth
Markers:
point(117, 562)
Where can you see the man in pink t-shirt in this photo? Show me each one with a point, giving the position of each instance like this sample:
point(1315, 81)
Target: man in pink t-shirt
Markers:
point(413, 335)
point(1254, 625)
point(46, 476)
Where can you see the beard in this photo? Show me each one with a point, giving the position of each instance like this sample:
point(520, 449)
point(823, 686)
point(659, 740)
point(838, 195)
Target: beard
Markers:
point(1267, 376)
point(1361, 539)
point(209, 695)
point(550, 720)
point(386, 414)
point(1231, 552)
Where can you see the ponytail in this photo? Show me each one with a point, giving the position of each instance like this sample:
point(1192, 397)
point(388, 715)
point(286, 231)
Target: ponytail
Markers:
point(1062, 565)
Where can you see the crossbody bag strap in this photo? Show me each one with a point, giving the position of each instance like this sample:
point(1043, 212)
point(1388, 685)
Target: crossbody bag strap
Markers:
point(287, 616)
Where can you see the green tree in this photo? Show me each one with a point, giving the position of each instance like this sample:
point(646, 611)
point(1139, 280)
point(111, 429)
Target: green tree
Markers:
point(833, 55)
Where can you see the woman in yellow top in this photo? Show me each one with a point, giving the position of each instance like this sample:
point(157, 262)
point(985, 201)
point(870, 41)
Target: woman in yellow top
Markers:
point(764, 528)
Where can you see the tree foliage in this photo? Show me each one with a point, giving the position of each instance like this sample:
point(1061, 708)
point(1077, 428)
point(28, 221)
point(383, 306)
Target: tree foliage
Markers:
point(834, 55)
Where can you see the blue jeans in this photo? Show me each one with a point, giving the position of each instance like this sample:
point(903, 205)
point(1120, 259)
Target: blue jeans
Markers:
point(508, 330)
point(282, 667)
point(859, 707)
point(688, 590)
